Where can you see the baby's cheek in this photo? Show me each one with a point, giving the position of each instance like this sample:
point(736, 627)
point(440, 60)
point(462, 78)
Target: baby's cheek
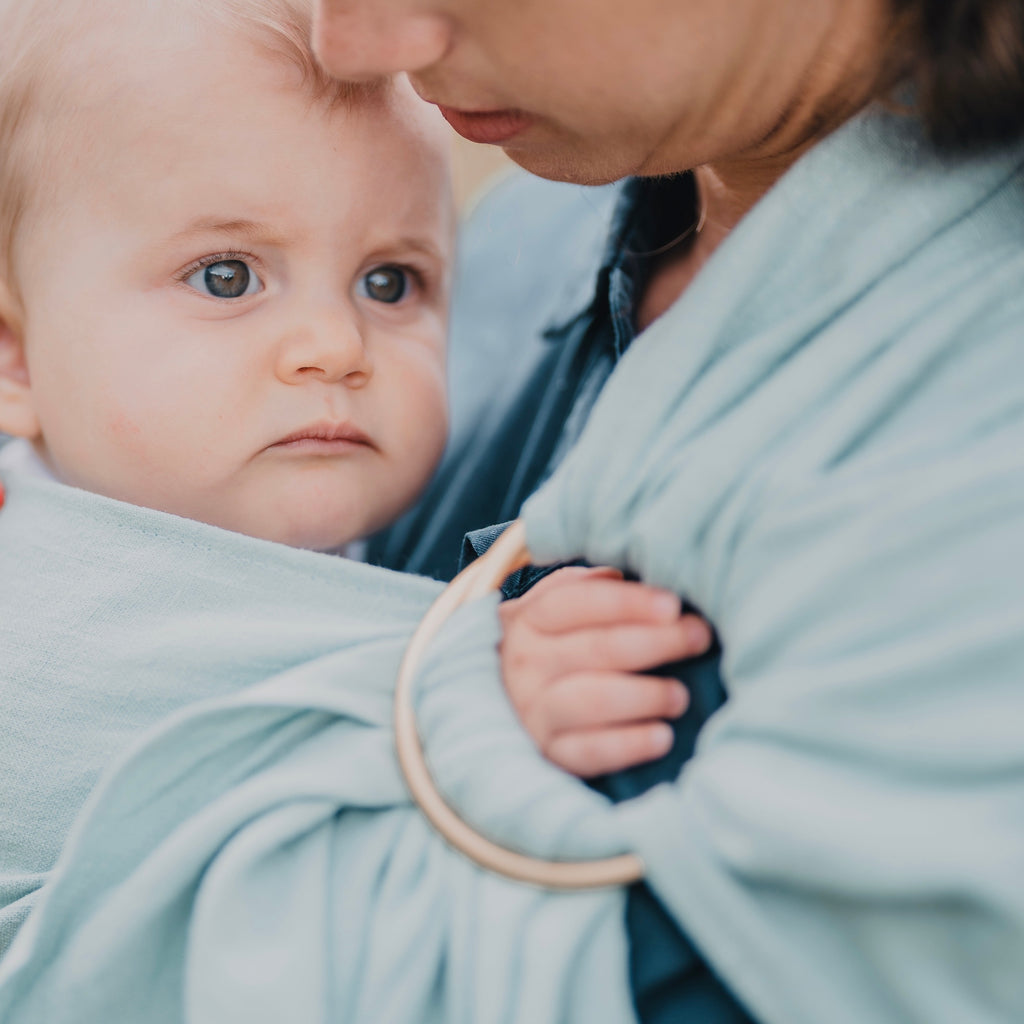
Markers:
point(123, 427)
point(140, 452)
point(425, 424)
point(128, 439)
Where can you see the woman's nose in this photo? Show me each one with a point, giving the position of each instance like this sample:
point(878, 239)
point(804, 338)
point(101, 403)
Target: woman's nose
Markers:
point(364, 39)
point(330, 349)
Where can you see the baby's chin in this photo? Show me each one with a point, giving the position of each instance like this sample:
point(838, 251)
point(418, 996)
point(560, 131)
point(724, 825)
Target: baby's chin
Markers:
point(331, 535)
point(321, 505)
point(312, 523)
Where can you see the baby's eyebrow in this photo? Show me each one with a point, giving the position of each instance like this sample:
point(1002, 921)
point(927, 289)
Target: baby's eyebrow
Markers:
point(424, 246)
point(251, 230)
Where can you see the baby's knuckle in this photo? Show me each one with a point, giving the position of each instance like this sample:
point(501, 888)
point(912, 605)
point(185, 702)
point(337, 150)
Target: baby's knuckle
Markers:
point(607, 646)
point(516, 657)
point(534, 714)
point(565, 751)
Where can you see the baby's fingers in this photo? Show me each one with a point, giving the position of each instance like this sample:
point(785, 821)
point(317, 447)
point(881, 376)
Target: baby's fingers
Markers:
point(578, 598)
point(601, 751)
point(594, 700)
point(628, 647)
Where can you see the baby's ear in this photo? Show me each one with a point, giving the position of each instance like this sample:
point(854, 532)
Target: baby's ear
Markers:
point(17, 408)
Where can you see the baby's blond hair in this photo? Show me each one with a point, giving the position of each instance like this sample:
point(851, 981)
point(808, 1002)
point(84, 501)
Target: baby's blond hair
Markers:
point(37, 39)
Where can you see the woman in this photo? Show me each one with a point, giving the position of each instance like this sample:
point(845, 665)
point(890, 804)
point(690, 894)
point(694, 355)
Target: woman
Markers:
point(739, 93)
point(819, 443)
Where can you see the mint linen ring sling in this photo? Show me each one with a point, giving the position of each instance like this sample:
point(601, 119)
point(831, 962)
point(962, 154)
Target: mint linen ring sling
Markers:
point(254, 855)
point(821, 446)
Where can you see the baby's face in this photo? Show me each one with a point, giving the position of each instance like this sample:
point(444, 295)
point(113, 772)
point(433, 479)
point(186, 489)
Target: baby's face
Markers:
point(235, 308)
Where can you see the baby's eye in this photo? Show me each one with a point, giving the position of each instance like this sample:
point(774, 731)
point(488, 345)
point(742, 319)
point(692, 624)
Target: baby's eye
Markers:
point(225, 279)
point(385, 284)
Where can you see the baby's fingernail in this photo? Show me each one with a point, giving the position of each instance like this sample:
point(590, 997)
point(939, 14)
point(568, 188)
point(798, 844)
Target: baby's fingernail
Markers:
point(662, 736)
point(698, 634)
point(666, 605)
point(680, 699)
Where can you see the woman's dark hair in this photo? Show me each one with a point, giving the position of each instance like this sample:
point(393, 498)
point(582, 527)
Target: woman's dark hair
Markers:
point(966, 59)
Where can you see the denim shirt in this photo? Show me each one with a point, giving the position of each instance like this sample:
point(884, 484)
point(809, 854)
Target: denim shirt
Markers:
point(545, 306)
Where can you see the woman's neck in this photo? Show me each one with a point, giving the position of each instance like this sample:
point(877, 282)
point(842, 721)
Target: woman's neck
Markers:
point(724, 197)
point(841, 83)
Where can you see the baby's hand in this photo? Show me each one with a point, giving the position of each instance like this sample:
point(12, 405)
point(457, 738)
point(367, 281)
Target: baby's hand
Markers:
point(572, 648)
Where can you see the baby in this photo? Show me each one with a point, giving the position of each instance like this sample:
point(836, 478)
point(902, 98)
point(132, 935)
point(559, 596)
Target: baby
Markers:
point(223, 291)
point(224, 278)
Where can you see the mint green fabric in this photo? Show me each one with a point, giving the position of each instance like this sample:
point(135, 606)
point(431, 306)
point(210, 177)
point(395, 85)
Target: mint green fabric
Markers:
point(254, 856)
point(821, 445)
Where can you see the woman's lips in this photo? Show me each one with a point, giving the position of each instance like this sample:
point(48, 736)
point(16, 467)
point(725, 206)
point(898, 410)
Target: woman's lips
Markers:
point(491, 126)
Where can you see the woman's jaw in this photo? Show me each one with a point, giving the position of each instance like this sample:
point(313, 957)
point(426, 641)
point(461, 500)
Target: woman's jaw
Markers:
point(591, 91)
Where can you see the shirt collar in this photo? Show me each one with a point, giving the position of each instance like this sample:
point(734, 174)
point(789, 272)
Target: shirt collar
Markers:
point(648, 214)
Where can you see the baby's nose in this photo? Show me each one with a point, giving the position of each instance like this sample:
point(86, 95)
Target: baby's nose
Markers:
point(331, 350)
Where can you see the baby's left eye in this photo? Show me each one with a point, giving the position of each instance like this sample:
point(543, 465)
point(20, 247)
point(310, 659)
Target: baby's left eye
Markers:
point(385, 284)
point(225, 279)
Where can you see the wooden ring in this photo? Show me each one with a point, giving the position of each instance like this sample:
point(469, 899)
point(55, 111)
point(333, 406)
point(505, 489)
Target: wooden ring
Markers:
point(481, 577)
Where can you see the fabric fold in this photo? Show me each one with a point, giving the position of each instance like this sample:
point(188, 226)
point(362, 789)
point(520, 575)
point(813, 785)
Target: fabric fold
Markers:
point(251, 852)
point(821, 446)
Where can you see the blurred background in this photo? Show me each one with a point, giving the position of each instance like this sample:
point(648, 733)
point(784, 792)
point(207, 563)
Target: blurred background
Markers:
point(473, 166)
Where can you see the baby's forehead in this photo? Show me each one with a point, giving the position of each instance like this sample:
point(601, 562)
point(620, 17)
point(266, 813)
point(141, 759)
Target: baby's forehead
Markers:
point(199, 87)
point(116, 40)
point(80, 55)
